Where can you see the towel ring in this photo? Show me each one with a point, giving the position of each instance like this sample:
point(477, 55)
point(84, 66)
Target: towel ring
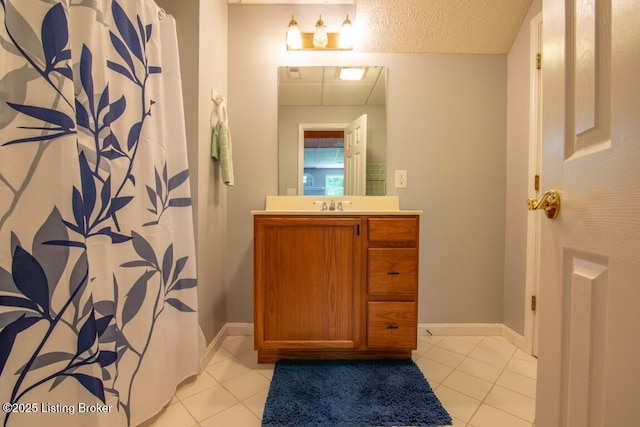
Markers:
point(219, 110)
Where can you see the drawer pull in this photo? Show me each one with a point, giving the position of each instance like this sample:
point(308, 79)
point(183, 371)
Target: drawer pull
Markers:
point(393, 273)
point(393, 327)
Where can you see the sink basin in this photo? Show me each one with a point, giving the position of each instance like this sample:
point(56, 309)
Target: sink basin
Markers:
point(354, 204)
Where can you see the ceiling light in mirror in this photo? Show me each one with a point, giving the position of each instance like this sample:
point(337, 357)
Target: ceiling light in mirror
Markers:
point(351, 73)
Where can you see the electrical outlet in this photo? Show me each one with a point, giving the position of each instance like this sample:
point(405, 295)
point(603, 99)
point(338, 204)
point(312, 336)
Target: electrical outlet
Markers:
point(401, 179)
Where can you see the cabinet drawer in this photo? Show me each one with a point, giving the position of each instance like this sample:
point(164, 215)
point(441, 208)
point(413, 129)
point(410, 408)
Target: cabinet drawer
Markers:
point(392, 325)
point(402, 231)
point(393, 271)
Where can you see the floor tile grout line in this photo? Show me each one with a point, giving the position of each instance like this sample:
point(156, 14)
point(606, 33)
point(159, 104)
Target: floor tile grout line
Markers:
point(513, 391)
point(516, 373)
point(493, 384)
point(204, 372)
point(454, 370)
point(218, 383)
point(190, 414)
point(249, 409)
point(248, 397)
point(506, 412)
point(235, 404)
point(483, 401)
point(472, 358)
point(238, 402)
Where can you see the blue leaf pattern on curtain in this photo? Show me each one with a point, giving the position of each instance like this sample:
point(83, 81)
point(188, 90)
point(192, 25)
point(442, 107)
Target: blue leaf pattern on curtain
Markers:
point(97, 257)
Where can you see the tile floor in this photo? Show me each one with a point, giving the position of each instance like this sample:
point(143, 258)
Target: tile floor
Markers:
point(480, 380)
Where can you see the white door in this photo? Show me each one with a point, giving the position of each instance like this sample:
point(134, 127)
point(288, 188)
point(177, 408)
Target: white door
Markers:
point(355, 157)
point(589, 345)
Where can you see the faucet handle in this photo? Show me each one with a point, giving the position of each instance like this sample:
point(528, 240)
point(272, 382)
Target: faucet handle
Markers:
point(320, 202)
point(343, 202)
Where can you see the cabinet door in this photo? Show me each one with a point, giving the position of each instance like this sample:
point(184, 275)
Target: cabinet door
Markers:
point(308, 283)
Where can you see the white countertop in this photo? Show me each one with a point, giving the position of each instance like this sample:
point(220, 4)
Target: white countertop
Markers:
point(336, 213)
point(352, 205)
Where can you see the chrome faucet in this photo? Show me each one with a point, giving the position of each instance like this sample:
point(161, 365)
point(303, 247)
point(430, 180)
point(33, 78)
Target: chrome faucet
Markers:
point(332, 206)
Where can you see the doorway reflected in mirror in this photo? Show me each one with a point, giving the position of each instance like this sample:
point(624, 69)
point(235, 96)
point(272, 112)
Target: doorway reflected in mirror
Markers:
point(323, 163)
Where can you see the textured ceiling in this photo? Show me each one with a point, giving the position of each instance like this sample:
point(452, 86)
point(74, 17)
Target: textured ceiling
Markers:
point(442, 26)
point(451, 26)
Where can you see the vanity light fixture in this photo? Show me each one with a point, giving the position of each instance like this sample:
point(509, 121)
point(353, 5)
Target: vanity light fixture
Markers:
point(351, 73)
point(320, 39)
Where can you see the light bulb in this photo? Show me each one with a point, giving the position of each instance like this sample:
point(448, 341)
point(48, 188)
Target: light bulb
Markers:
point(345, 41)
point(320, 36)
point(294, 38)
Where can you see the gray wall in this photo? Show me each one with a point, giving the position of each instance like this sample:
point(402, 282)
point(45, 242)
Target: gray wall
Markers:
point(446, 125)
point(202, 38)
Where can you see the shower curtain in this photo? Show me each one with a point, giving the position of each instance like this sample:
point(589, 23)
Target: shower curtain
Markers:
point(98, 320)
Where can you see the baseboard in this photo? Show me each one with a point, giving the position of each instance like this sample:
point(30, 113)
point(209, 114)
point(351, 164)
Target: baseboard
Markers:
point(239, 328)
point(440, 329)
point(213, 346)
point(229, 329)
point(515, 338)
point(489, 329)
point(459, 329)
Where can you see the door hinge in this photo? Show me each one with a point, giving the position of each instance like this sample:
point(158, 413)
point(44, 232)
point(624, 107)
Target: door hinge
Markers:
point(538, 61)
point(536, 182)
point(534, 303)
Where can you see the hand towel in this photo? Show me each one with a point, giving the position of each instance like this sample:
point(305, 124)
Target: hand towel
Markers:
point(221, 150)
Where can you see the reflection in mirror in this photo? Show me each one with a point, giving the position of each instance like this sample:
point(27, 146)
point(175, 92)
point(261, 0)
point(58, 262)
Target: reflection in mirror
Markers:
point(331, 132)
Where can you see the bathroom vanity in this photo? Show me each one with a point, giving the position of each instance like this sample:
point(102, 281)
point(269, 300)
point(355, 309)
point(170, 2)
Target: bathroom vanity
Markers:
point(335, 283)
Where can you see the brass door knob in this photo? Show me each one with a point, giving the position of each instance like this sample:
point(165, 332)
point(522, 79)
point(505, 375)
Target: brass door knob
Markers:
point(550, 202)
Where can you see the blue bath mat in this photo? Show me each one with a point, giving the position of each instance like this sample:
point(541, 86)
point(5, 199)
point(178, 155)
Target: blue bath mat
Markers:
point(332, 393)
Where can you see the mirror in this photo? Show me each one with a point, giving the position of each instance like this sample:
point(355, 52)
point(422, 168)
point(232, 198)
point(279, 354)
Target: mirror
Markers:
point(318, 114)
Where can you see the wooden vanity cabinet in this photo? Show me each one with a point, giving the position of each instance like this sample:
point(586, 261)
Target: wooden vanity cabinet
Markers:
point(335, 286)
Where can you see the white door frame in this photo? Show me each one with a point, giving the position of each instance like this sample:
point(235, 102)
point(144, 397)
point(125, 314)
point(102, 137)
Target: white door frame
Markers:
point(302, 127)
point(533, 221)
